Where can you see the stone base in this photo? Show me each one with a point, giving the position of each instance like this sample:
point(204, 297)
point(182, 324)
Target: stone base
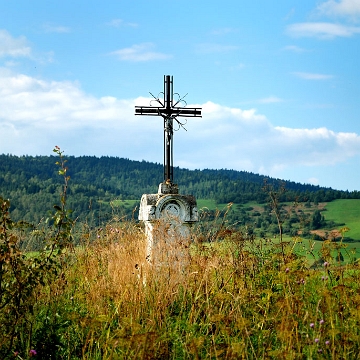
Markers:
point(167, 244)
point(168, 217)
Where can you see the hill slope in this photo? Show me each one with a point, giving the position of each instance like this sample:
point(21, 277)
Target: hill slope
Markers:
point(32, 184)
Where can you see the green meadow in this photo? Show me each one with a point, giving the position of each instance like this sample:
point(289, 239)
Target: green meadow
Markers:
point(344, 211)
point(347, 212)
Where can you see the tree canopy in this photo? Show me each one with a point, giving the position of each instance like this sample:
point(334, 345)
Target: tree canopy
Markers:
point(31, 183)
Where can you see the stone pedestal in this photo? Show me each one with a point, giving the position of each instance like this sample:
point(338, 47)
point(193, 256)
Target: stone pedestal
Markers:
point(168, 217)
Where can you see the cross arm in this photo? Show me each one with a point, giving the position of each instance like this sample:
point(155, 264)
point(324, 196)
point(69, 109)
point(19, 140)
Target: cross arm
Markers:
point(175, 111)
point(187, 112)
point(148, 110)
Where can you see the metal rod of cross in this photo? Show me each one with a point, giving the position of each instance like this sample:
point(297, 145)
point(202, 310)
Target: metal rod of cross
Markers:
point(170, 112)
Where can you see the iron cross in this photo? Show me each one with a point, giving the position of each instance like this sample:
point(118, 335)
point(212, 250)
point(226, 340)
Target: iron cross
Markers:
point(170, 112)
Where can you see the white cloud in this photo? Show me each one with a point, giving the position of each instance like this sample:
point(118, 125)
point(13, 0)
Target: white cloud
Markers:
point(312, 76)
point(348, 8)
point(13, 47)
point(50, 28)
point(115, 22)
point(313, 181)
point(270, 100)
point(237, 67)
point(290, 14)
point(119, 23)
point(53, 105)
point(244, 140)
point(140, 52)
point(36, 115)
point(223, 31)
point(295, 48)
point(321, 146)
point(321, 30)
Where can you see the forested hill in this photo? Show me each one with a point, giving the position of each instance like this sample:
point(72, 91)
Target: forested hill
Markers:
point(31, 183)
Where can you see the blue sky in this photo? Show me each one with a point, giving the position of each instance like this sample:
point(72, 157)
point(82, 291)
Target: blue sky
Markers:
point(279, 82)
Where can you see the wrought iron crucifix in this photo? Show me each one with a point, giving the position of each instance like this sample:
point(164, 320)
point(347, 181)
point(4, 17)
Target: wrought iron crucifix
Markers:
point(170, 111)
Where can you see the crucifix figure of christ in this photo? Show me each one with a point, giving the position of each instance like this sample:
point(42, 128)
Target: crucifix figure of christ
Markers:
point(169, 111)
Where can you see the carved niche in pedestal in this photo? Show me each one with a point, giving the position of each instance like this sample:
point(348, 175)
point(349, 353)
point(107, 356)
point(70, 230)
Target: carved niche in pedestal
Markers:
point(169, 206)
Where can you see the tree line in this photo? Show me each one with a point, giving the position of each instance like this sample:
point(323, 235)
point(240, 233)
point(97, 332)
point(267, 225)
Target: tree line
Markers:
point(31, 183)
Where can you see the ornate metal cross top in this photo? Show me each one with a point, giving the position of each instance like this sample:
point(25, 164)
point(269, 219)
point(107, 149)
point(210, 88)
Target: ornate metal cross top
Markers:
point(170, 112)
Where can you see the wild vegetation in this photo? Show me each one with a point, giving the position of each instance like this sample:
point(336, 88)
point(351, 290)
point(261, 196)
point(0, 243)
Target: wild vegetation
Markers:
point(240, 296)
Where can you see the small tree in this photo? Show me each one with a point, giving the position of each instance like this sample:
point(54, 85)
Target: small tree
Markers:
point(317, 220)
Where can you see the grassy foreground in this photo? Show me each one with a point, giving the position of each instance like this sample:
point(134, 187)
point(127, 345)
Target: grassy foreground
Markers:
point(236, 299)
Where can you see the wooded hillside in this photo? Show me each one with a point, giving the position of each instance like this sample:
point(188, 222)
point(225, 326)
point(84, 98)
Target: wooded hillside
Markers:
point(33, 185)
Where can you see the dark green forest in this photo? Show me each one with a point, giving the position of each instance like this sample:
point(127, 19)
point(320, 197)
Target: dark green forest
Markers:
point(32, 185)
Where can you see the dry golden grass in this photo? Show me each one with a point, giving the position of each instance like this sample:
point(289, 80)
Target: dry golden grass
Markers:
point(235, 299)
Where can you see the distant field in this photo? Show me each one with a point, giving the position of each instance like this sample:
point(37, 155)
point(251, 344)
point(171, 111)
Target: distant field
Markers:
point(125, 203)
point(345, 211)
point(205, 203)
point(349, 250)
point(212, 205)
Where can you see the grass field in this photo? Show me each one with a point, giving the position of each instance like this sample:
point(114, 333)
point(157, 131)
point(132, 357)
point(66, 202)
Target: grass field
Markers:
point(207, 203)
point(236, 300)
point(345, 211)
point(311, 249)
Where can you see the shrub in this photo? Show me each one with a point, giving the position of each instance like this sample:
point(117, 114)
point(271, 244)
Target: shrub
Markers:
point(23, 277)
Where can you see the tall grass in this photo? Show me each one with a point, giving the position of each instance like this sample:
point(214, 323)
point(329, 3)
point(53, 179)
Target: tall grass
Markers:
point(241, 298)
point(225, 295)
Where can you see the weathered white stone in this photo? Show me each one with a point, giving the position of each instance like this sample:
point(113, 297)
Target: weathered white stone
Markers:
point(168, 217)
